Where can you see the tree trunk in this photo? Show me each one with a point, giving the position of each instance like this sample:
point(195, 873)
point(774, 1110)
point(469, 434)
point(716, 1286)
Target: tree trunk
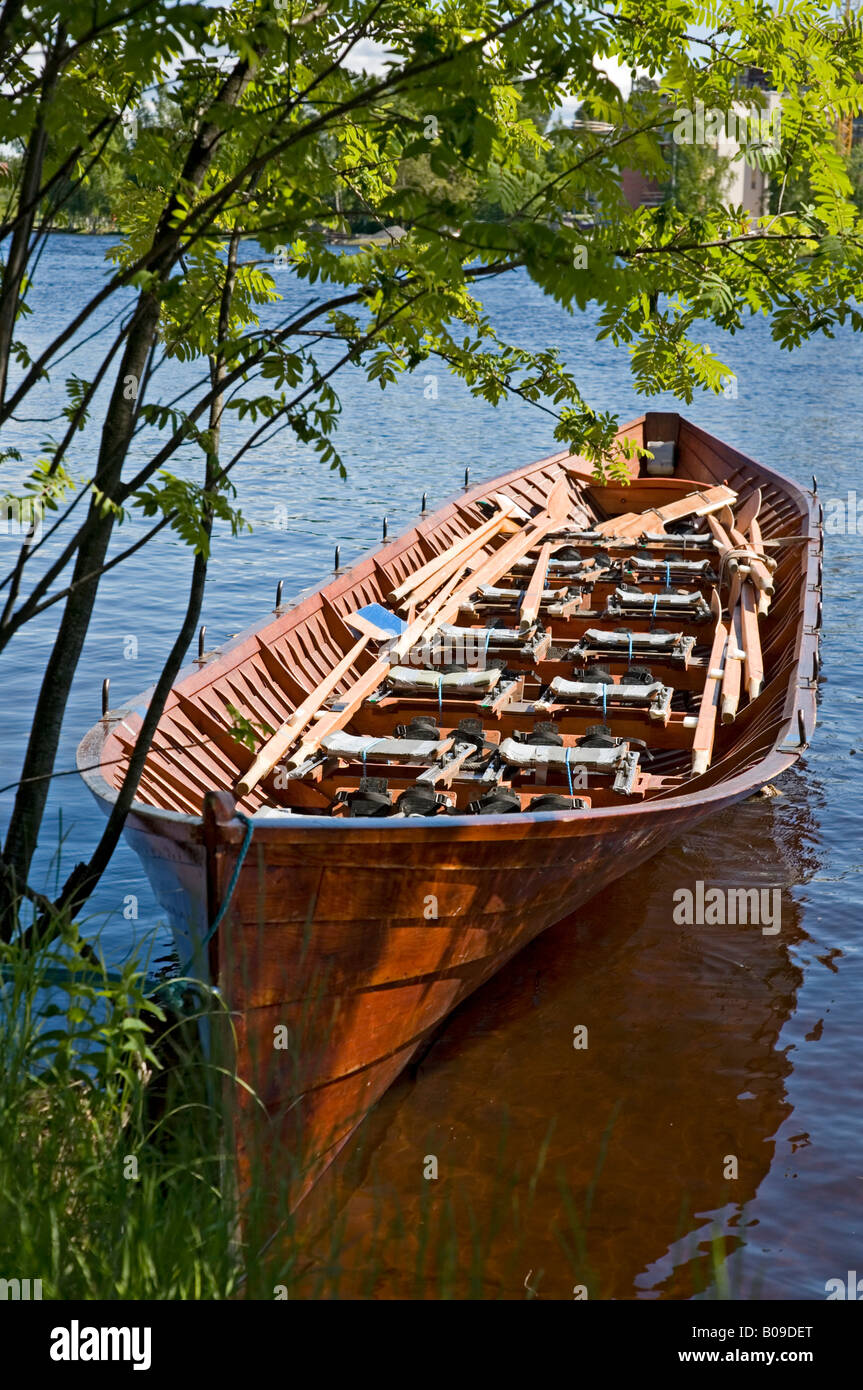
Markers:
point(16, 264)
point(117, 433)
point(84, 877)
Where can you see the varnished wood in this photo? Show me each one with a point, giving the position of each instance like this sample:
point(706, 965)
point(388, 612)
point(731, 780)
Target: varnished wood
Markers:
point(357, 937)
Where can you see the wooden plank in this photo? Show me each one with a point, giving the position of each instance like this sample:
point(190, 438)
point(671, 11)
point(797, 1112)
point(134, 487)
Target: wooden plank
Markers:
point(701, 503)
point(705, 729)
point(615, 499)
point(533, 595)
point(282, 739)
point(753, 668)
point(441, 609)
point(732, 677)
point(445, 561)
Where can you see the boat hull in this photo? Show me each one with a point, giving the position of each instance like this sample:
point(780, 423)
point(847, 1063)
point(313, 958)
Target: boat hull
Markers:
point(343, 943)
point(341, 953)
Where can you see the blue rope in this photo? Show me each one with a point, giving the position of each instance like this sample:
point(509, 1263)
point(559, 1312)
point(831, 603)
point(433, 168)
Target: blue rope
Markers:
point(488, 638)
point(368, 748)
point(653, 610)
point(440, 695)
point(668, 574)
point(604, 699)
point(64, 977)
point(630, 648)
point(220, 915)
point(569, 772)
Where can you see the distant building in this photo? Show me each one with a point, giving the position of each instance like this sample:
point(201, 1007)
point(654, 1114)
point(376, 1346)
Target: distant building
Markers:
point(640, 191)
point(746, 186)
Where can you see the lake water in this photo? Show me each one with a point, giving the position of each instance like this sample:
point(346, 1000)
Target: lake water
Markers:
point(608, 1167)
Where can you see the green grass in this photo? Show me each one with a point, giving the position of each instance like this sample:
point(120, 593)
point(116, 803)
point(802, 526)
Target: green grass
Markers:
point(117, 1177)
point(112, 1171)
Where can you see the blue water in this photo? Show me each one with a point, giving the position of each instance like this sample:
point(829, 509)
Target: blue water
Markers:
point(800, 414)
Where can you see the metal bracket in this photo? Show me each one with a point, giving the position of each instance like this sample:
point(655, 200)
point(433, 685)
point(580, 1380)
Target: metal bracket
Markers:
point(801, 729)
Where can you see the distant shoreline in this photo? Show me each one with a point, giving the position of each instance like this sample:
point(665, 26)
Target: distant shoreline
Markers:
point(381, 238)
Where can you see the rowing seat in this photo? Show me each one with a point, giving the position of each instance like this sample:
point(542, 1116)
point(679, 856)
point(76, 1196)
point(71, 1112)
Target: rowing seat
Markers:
point(659, 568)
point(493, 593)
point(618, 759)
point(559, 603)
point(399, 750)
point(670, 646)
point(688, 541)
point(500, 636)
point(569, 533)
point(403, 679)
point(652, 696)
point(554, 566)
point(478, 641)
point(566, 560)
point(627, 602)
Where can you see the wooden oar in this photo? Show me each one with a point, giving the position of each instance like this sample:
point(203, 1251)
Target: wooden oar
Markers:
point(270, 753)
point(705, 729)
point(430, 585)
point(533, 595)
point(758, 544)
point(439, 610)
point(764, 598)
point(724, 543)
point(732, 675)
point(442, 607)
point(760, 574)
point(753, 668)
point(433, 582)
point(447, 559)
point(749, 510)
point(759, 568)
point(493, 567)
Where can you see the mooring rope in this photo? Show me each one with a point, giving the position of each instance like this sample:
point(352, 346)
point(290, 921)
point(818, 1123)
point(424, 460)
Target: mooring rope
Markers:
point(226, 902)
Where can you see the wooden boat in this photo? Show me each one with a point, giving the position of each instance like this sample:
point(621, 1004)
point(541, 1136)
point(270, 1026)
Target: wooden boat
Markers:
point(351, 830)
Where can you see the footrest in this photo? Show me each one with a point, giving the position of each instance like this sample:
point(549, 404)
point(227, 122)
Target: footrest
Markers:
point(572, 564)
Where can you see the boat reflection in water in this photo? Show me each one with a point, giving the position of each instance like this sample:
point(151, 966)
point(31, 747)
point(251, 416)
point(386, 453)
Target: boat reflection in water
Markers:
point(682, 1081)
